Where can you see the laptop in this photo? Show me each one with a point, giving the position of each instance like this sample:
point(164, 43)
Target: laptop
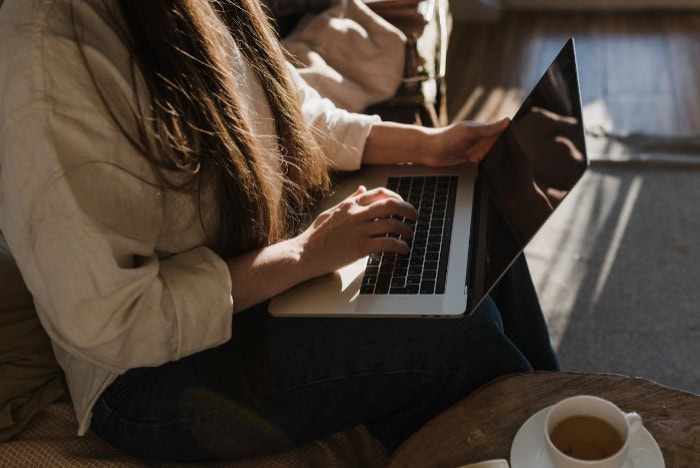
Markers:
point(473, 221)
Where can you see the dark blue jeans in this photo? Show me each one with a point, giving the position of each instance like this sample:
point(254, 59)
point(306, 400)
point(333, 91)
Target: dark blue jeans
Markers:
point(281, 382)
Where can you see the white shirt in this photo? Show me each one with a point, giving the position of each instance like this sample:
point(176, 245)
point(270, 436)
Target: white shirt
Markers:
point(120, 270)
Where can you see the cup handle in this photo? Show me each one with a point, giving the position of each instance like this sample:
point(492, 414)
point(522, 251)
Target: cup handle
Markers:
point(634, 421)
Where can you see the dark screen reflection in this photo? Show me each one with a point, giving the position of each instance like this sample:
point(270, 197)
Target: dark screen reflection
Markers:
point(528, 172)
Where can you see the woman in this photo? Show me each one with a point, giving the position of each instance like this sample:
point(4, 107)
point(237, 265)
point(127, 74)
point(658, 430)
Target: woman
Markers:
point(156, 158)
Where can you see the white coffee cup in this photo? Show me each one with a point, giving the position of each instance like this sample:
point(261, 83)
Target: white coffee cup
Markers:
point(589, 432)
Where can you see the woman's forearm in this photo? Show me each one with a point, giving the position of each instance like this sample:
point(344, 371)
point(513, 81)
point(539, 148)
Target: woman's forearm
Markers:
point(393, 143)
point(261, 274)
point(462, 142)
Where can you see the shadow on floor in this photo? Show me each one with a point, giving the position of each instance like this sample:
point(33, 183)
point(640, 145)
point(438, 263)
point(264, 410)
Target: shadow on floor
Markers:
point(618, 272)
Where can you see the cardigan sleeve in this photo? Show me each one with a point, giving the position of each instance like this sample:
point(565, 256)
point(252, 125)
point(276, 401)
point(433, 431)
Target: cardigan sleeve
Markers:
point(82, 213)
point(83, 231)
point(340, 133)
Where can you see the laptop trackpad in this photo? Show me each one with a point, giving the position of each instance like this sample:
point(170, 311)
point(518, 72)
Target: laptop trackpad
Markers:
point(337, 292)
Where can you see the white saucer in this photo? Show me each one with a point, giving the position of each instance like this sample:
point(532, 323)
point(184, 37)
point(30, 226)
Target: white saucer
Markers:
point(529, 450)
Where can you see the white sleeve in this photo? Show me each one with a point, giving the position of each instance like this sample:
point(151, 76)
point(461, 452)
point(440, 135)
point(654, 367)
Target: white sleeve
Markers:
point(341, 134)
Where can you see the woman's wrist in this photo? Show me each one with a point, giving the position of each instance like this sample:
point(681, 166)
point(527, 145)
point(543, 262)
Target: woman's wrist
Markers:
point(259, 275)
point(305, 264)
point(431, 146)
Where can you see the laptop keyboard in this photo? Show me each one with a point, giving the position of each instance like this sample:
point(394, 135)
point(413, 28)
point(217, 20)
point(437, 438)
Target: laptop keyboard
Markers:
point(424, 270)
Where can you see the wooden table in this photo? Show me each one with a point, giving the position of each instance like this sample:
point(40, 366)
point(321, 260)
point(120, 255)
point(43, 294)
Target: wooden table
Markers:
point(483, 425)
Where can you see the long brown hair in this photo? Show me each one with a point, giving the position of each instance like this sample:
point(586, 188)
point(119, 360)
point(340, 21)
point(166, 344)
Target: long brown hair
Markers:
point(182, 49)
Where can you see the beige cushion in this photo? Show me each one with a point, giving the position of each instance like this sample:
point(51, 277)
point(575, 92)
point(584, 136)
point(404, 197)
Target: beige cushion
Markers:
point(50, 440)
point(30, 377)
point(349, 54)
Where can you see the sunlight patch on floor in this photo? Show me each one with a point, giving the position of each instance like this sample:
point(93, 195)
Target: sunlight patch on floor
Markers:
point(614, 246)
point(561, 254)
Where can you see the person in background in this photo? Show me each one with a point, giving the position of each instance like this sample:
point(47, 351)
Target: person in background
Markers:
point(286, 13)
point(157, 160)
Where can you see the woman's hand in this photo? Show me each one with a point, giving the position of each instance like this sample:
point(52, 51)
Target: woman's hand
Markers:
point(461, 142)
point(355, 227)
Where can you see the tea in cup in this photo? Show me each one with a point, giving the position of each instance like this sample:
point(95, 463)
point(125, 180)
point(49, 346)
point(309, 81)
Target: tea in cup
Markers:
point(589, 432)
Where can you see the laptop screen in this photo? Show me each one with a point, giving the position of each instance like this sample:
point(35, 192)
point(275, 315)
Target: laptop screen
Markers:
point(528, 172)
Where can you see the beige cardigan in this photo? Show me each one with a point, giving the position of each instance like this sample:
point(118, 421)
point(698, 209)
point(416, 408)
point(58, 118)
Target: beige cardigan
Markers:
point(120, 271)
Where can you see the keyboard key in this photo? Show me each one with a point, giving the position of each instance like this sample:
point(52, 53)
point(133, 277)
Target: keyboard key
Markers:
point(413, 280)
point(369, 280)
point(427, 287)
point(405, 290)
point(381, 289)
point(398, 282)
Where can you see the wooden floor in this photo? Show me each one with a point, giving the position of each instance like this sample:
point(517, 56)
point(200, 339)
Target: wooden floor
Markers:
point(639, 72)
